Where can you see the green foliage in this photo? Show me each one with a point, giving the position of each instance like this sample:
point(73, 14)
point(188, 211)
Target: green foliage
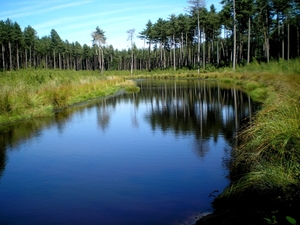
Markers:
point(291, 220)
point(271, 220)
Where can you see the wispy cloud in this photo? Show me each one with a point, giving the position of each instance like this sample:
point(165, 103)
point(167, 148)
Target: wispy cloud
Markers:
point(41, 8)
point(74, 20)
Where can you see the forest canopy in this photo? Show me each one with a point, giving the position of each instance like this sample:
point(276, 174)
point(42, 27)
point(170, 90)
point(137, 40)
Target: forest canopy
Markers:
point(197, 38)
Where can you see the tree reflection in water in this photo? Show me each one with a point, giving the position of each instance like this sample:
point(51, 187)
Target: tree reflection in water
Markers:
point(183, 107)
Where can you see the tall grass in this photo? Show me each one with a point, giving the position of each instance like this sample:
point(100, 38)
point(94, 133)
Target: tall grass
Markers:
point(34, 93)
point(269, 154)
point(267, 160)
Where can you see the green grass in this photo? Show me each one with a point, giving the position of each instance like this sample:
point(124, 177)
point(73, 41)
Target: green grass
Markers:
point(36, 93)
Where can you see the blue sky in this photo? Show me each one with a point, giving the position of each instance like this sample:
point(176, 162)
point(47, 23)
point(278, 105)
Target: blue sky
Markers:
point(75, 20)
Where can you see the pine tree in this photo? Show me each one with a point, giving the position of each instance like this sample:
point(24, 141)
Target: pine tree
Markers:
point(99, 40)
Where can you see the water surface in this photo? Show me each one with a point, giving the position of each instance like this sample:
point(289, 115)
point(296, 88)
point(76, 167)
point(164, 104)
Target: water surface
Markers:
point(155, 157)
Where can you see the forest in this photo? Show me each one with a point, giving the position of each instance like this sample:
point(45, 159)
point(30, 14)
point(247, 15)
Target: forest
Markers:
point(241, 32)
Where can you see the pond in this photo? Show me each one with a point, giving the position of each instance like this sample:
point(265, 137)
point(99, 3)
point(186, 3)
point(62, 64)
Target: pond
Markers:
point(154, 157)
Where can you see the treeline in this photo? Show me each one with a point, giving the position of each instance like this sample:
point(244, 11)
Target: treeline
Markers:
point(200, 38)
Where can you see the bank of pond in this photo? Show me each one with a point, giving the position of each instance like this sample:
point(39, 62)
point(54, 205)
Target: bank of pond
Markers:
point(260, 157)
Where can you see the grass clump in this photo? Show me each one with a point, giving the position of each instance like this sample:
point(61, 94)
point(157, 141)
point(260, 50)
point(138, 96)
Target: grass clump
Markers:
point(5, 105)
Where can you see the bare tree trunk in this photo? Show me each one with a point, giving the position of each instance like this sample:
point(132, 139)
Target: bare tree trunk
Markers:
point(10, 57)
point(282, 43)
point(249, 37)
point(218, 56)
point(3, 59)
point(17, 55)
point(46, 61)
point(278, 29)
point(298, 45)
point(149, 63)
point(59, 60)
point(266, 35)
point(212, 50)
point(208, 53)
point(131, 66)
point(165, 59)
point(203, 50)
point(54, 65)
point(288, 45)
point(223, 49)
point(34, 59)
point(161, 56)
point(102, 61)
point(181, 50)
point(234, 37)
point(198, 53)
point(30, 56)
point(26, 58)
point(186, 50)
point(174, 55)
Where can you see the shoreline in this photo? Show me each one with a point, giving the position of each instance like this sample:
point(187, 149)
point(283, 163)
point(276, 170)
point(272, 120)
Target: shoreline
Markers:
point(272, 140)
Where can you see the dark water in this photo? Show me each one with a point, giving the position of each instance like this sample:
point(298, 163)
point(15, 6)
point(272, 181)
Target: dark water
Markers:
point(148, 158)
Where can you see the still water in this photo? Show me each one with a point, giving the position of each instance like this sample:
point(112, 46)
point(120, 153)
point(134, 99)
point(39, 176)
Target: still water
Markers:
point(154, 157)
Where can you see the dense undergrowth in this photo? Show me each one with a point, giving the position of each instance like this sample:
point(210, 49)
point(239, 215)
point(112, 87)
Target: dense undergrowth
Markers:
point(36, 93)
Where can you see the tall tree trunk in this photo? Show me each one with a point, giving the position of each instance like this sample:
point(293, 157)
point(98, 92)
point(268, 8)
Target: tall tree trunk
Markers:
point(174, 55)
point(181, 51)
point(161, 56)
point(54, 65)
point(131, 66)
point(34, 59)
point(278, 30)
point(149, 63)
point(234, 37)
point(198, 53)
point(212, 50)
point(30, 56)
point(186, 50)
point(102, 61)
point(288, 40)
point(267, 46)
point(165, 64)
point(46, 61)
point(10, 56)
point(208, 53)
point(59, 60)
point(69, 61)
point(298, 44)
point(26, 58)
point(3, 59)
point(282, 42)
point(249, 37)
point(203, 50)
point(17, 55)
point(218, 56)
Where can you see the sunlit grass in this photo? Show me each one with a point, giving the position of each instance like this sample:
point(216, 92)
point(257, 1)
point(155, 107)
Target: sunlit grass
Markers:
point(36, 93)
point(268, 157)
